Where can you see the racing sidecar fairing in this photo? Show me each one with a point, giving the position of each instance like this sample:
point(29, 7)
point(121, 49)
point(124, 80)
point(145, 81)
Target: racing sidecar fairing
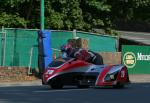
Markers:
point(71, 71)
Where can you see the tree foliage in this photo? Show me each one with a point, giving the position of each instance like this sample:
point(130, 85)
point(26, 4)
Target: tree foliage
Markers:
point(72, 14)
point(9, 20)
point(76, 14)
point(130, 9)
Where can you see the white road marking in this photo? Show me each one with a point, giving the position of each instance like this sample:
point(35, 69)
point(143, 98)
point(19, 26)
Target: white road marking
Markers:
point(50, 91)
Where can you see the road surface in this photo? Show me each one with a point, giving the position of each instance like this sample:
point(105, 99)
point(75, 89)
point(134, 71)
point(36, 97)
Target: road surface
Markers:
point(133, 93)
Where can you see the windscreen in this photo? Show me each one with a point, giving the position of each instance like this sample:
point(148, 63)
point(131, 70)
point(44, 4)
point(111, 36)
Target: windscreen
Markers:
point(58, 62)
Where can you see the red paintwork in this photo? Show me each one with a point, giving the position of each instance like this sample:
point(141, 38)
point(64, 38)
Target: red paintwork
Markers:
point(65, 67)
point(46, 76)
point(123, 79)
point(101, 76)
point(73, 64)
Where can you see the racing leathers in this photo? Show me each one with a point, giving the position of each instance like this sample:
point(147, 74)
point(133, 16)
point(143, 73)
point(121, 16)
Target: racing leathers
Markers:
point(82, 54)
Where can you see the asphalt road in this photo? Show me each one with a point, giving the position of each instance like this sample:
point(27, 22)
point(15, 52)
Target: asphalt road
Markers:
point(133, 93)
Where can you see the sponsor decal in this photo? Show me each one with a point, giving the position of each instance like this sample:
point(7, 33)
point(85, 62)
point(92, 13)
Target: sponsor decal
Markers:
point(129, 59)
point(122, 74)
point(141, 56)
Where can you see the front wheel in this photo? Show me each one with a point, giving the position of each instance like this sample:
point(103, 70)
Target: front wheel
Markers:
point(83, 86)
point(118, 85)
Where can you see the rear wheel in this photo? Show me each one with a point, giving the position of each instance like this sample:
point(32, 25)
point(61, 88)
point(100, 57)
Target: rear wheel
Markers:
point(56, 85)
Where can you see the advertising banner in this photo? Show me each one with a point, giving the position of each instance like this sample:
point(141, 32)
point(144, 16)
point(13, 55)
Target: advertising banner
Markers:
point(136, 58)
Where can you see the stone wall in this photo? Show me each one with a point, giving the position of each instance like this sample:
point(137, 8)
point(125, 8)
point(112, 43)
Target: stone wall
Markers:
point(10, 74)
point(111, 58)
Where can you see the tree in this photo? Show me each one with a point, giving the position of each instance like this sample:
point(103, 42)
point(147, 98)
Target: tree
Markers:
point(17, 13)
point(72, 14)
point(9, 20)
point(59, 14)
point(129, 9)
point(64, 14)
point(77, 14)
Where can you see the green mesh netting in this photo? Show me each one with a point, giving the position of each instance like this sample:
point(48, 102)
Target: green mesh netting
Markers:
point(21, 45)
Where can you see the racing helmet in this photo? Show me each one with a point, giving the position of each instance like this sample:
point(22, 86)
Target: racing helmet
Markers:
point(65, 47)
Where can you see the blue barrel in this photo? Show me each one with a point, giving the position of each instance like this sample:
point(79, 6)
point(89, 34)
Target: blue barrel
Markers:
point(47, 44)
point(45, 49)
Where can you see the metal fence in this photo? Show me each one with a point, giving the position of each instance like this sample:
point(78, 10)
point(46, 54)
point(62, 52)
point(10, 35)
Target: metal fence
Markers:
point(19, 47)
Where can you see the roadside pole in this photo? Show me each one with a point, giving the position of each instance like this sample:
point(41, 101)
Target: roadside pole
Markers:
point(42, 14)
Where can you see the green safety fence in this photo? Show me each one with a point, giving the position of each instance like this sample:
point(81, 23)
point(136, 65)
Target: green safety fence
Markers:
point(21, 45)
point(20, 48)
point(97, 43)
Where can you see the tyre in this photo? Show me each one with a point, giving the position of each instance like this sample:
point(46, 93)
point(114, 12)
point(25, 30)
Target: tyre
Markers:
point(118, 85)
point(83, 86)
point(56, 85)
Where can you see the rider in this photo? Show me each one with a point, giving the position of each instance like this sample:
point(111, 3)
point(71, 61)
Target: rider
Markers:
point(82, 54)
point(66, 50)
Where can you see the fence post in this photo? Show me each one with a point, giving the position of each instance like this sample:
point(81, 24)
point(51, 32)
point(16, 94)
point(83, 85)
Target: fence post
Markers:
point(3, 47)
point(30, 61)
point(74, 34)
